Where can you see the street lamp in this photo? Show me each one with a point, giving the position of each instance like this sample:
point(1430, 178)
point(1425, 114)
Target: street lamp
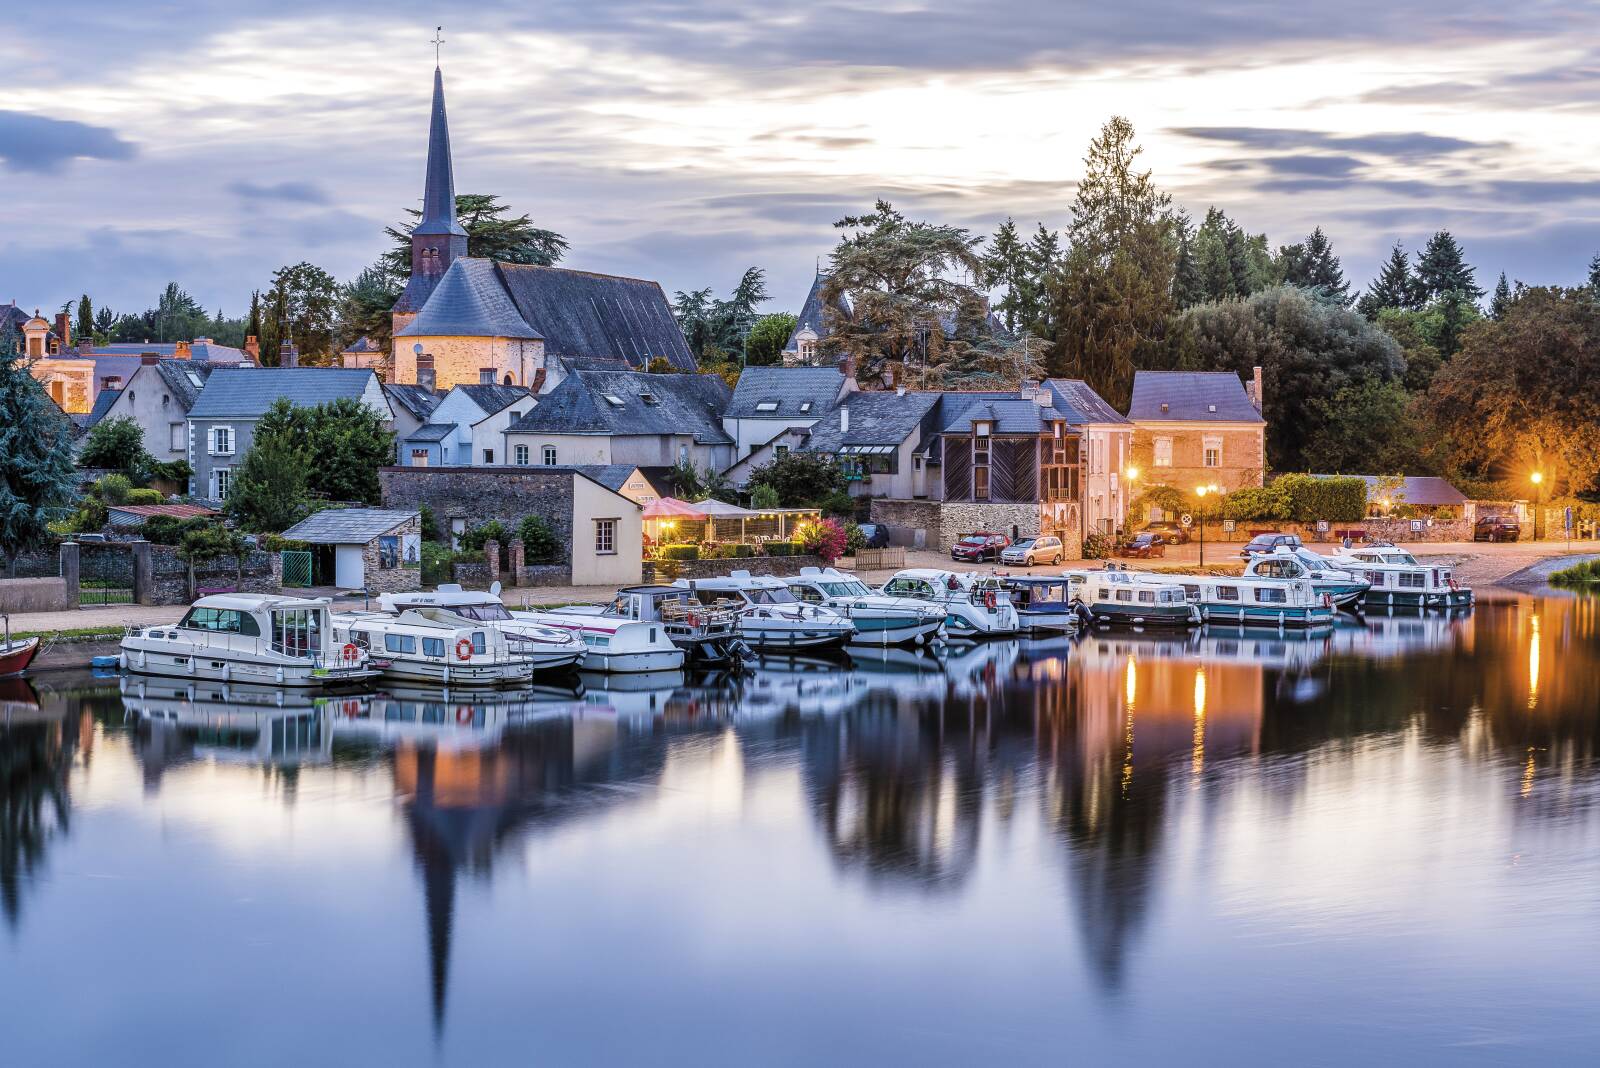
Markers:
point(1537, 478)
point(1131, 475)
point(1200, 493)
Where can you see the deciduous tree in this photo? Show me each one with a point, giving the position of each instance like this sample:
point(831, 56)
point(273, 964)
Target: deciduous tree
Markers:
point(767, 338)
point(117, 445)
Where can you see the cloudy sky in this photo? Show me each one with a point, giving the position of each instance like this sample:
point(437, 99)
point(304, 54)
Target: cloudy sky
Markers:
point(684, 140)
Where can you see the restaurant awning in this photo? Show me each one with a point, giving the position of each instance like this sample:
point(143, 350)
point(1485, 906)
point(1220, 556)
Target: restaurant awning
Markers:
point(672, 508)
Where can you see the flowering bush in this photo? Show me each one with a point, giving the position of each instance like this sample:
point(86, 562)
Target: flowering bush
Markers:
point(825, 538)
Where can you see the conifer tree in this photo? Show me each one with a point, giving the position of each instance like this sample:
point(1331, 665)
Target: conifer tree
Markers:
point(85, 325)
point(1312, 265)
point(1395, 286)
point(36, 463)
point(1501, 300)
point(1594, 273)
point(1442, 269)
point(1044, 265)
point(1005, 266)
point(1186, 287)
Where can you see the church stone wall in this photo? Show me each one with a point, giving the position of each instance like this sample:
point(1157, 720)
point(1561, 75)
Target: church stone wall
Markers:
point(457, 360)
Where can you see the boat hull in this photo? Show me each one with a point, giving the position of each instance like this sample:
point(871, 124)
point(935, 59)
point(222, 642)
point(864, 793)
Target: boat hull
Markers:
point(225, 665)
point(629, 663)
point(894, 629)
point(768, 639)
point(1047, 620)
point(1147, 615)
point(467, 674)
point(1275, 616)
point(1418, 599)
point(17, 657)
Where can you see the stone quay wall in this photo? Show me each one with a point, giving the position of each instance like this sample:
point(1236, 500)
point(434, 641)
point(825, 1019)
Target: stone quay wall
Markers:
point(779, 566)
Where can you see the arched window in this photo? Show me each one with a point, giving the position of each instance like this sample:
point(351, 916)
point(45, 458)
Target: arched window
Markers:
point(549, 455)
point(510, 380)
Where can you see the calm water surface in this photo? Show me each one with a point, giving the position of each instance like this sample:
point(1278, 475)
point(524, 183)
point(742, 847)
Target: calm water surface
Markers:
point(1379, 847)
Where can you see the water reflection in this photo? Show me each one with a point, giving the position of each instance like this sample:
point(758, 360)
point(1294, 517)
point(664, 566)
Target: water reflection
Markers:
point(1117, 768)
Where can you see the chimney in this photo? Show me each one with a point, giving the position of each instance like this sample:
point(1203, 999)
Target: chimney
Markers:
point(288, 355)
point(252, 348)
point(180, 351)
point(900, 390)
point(844, 419)
point(64, 330)
point(1255, 389)
point(85, 346)
point(149, 358)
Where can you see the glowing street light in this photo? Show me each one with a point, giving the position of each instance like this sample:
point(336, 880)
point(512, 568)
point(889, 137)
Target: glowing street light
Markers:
point(1201, 492)
point(1537, 478)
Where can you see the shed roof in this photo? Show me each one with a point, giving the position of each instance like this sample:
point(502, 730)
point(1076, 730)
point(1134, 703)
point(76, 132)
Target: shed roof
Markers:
point(432, 432)
point(631, 403)
point(247, 392)
point(1191, 396)
point(786, 388)
point(177, 511)
point(347, 526)
point(611, 476)
point(876, 418)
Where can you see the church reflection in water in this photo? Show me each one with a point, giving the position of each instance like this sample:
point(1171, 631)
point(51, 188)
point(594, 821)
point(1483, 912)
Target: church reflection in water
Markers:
point(904, 762)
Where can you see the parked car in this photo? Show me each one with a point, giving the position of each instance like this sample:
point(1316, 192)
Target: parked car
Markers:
point(1144, 546)
point(979, 545)
point(877, 535)
point(1170, 533)
point(1043, 549)
point(1266, 543)
point(1497, 528)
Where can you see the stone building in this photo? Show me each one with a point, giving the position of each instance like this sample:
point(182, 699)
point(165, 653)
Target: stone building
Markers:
point(1197, 428)
point(1010, 465)
point(372, 548)
point(465, 320)
point(804, 346)
point(466, 428)
point(602, 529)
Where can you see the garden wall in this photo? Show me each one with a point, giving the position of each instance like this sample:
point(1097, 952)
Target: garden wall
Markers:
point(780, 566)
point(1395, 530)
point(169, 575)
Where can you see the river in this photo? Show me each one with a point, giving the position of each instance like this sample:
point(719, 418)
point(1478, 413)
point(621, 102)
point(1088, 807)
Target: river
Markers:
point(1376, 846)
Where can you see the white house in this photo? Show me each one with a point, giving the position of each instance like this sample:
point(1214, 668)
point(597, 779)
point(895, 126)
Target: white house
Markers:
point(467, 428)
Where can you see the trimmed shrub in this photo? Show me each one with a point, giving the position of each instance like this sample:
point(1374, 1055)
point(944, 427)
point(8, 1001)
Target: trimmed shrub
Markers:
point(539, 545)
point(1099, 547)
point(144, 496)
point(678, 552)
point(763, 497)
point(277, 543)
point(782, 548)
point(1257, 503)
point(1336, 498)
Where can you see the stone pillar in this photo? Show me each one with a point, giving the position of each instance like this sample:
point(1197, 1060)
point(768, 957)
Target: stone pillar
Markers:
point(69, 573)
point(491, 555)
point(144, 587)
point(517, 562)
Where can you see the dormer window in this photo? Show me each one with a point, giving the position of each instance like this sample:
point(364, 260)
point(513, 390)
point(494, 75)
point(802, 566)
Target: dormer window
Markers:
point(805, 406)
point(1211, 407)
point(649, 399)
point(613, 400)
point(767, 406)
point(1164, 408)
point(981, 429)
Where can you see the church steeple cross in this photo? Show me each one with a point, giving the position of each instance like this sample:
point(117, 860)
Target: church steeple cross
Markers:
point(438, 40)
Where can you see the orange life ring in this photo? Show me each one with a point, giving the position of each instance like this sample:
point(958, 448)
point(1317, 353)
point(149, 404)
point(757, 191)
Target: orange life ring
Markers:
point(989, 600)
point(350, 652)
point(464, 649)
point(463, 715)
point(1327, 600)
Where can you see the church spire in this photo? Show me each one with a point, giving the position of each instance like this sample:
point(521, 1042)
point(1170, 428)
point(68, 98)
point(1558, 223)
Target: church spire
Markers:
point(439, 193)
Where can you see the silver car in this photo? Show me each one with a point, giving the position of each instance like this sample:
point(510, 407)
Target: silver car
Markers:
point(1026, 552)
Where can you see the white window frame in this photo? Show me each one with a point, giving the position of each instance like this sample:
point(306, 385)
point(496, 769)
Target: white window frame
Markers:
point(1209, 446)
point(521, 455)
point(488, 456)
point(605, 537)
point(221, 483)
point(1162, 448)
point(547, 455)
point(179, 437)
point(221, 441)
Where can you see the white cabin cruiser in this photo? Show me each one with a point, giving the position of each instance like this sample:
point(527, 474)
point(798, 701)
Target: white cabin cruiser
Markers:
point(248, 638)
point(1399, 580)
point(1345, 586)
point(433, 645)
point(707, 636)
point(1260, 602)
point(975, 606)
point(771, 619)
point(878, 619)
point(1115, 595)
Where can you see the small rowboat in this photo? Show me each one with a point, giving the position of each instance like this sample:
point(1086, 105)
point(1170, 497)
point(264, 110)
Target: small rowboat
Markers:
point(15, 656)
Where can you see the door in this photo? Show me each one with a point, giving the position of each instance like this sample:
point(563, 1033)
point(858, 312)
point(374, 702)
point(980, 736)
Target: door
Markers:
point(348, 570)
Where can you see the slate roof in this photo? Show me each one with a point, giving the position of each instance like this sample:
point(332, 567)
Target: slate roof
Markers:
point(175, 375)
point(1425, 490)
point(876, 418)
point(202, 350)
point(1191, 396)
point(177, 511)
point(492, 397)
point(439, 187)
point(247, 392)
point(362, 344)
point(346, 526)
point(581, 314)
point(1080, 403)
point(432, 432)
point(420, 401)
point(1010, 413)
point(811, 314)
point(789, 386)
point(102, 404)
point(684, 404)
point(469, 301)
point(612, 476)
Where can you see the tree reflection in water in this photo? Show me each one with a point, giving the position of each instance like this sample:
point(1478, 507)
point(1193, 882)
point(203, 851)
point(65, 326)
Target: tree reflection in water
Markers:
point(37, 748)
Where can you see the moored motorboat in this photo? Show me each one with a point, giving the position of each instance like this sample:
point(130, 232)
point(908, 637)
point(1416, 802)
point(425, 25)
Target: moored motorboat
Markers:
point(16, 654)
point(248, 638)
point(1397, 579)
point(1345, 587)
point(708, 636)
point(975, 606)
point(878, 619)
point(1044, 603)
point(1261, 602)
point(431, 645)
point(1142, 599)
point(771, 619)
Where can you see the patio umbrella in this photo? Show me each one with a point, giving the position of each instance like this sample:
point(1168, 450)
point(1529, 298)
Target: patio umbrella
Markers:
point(672, 508)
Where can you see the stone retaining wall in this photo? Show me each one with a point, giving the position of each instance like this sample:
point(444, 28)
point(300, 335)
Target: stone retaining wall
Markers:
point(169, 576)
point(472, 576)
point(914, 524)
point(781, 566)
point(544, 575)
point(1395, 530)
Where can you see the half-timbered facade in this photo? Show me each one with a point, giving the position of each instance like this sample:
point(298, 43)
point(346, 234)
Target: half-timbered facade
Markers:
point(1010, 463)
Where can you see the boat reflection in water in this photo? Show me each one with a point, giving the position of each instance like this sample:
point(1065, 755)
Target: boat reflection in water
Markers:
point(1102, 814)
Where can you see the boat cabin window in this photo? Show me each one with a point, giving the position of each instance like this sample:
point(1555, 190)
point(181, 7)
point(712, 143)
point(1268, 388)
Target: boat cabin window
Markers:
point(1271, 595)
point(1375, 579)
point(1148, 597)
point(221, 620)
point(1171, 597)
point(806, 593)
point(1412, 580)
point(1277, 569)
point(1227, 593)
point(907, 587)
point(433, 647)
point(845, 589)
point(1125, 595)
point(399, 643)
point(625, 606)
point(770, 596)
point(1192, 589)
point(483, 613)
point(480, 642)
point(297, 631)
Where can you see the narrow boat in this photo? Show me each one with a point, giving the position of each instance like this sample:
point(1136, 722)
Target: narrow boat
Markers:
point(878, 619)
point(1344, 586)
point(1116, 596)
point(771, 619)
point(1261, 602)
point(975, 606)
point(248, 638)
point(608, 644)
point(1043, 603)
point(1397, 579)
point(15, 656)
point(431, 645)
point(708, 636)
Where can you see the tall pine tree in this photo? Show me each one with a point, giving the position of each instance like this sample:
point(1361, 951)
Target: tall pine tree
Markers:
point(1312, 265)
point(1594, 273)
point(1395, 286)
point(1186, 288)
point(1044, 269)
point(85, 326)
point(1442, 269)
point(1005, 266)
point(1501, 300)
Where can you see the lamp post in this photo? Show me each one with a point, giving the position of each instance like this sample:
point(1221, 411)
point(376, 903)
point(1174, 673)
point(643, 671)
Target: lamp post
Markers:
point(1537, 478)
point(1200, 493)
point(1131, 476)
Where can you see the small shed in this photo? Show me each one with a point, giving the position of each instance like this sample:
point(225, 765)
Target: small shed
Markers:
point(133, 516)
point(373, 548)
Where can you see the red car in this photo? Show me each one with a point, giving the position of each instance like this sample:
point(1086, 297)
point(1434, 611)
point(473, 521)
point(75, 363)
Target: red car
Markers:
point(1144, 546)
point(978, 546)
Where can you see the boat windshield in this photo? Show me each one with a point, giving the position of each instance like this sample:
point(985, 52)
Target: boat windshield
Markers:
point(297, 631)
point(773, 596)
point(484, 613)
point(844, 589)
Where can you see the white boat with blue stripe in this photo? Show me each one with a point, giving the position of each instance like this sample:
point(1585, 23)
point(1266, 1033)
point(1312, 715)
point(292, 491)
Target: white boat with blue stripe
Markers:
point(975, 606)
point(878, 619)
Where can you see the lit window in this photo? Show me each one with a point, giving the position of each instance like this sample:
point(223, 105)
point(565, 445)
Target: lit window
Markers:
point(605, 535)
point(521, 454)
point(548, 455)
point(1163, 456)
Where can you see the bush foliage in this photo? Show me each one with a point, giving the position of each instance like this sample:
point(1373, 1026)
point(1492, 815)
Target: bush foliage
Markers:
point(1336, 498)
